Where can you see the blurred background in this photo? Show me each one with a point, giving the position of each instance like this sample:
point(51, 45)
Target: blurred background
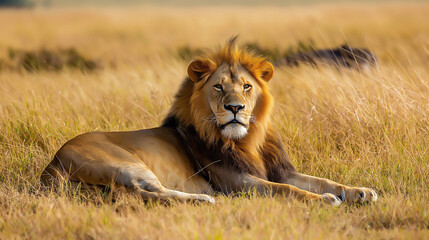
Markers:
point(106, 31)
point(171, 2)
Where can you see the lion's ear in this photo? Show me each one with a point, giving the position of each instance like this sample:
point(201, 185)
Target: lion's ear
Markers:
point(266, 70)
point(199, 69)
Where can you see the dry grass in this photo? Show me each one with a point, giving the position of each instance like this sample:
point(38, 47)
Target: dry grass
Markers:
point(365, 129)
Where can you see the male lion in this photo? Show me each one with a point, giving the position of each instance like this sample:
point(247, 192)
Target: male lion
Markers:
point(216, 137)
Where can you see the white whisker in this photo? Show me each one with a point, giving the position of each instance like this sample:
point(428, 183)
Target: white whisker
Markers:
point(253, 119)
point(199, 171)
point(210, 119)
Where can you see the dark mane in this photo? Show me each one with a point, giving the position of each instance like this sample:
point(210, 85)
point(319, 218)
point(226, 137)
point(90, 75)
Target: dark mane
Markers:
point(270, 162)
point(275, 158)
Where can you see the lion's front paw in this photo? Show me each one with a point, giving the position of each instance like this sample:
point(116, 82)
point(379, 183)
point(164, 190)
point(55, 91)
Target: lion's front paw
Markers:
point(331, 199)
point(360, 195)
point(204, 198)
point(369, 195)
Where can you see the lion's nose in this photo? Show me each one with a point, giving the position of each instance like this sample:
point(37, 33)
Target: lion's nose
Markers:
point(233, 108)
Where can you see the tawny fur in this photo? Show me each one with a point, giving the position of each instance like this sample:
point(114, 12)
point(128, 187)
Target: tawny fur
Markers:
point(189, 153)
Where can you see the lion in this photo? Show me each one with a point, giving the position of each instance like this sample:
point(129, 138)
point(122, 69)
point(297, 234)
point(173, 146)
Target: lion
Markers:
point(217, 137)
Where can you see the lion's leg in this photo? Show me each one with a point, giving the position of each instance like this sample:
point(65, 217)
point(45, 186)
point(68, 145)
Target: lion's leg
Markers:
point(321, 185)
point(264, 187)
point(133, 176)
point(231, 181)
point(141, 180)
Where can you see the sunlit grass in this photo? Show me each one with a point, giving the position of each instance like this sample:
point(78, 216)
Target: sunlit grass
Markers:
point(363, 129)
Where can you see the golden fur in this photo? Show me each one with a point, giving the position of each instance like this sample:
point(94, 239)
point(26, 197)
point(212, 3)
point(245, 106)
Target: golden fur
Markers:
point(187, 105)
point(230, 54)
point(217, 136)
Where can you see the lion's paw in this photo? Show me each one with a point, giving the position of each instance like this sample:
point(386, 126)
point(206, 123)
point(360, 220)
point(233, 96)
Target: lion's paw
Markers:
point(205, 198)
point(369, 195)
point(331, 199)
point(359, 195)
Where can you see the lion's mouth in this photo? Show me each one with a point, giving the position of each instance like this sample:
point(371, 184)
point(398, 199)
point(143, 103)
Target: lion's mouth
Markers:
point(233, 121)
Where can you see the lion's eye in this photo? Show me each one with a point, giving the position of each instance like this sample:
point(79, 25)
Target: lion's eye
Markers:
point(247, 87)
point(218, 87)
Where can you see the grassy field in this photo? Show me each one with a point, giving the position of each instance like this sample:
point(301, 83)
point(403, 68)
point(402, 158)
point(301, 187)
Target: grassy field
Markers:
point(363, 129)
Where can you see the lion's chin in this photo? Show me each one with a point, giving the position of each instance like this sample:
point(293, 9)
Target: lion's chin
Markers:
point(234, 131)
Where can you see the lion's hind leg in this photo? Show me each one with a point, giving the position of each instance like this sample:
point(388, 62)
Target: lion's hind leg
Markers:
point(134, 177)
point(139, 179)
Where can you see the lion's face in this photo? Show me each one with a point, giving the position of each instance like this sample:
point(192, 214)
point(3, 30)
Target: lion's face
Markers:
point(232, 94)
point(229, 95)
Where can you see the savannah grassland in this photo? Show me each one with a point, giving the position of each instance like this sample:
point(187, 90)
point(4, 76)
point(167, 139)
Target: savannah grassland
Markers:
point(362, 129)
